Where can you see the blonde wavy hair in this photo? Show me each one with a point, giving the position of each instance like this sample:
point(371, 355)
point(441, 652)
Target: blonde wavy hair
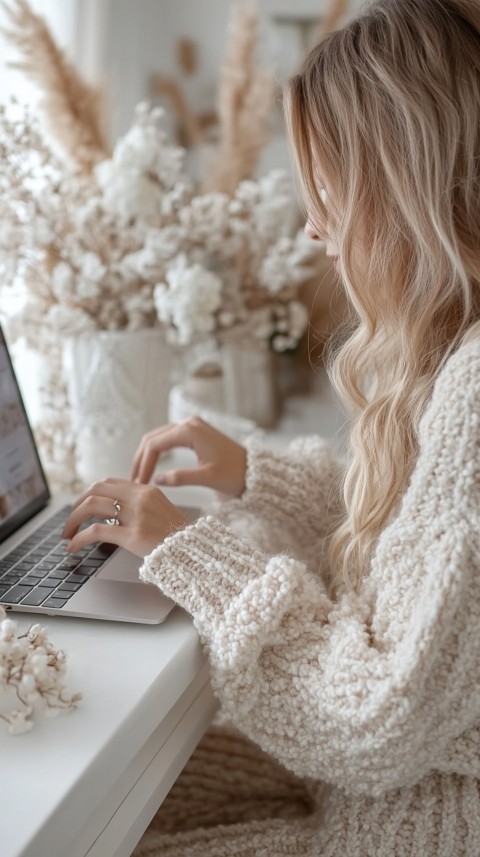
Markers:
point(384, 121)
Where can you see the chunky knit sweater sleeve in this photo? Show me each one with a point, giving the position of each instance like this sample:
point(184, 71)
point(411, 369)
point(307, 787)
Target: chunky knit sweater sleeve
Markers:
point(377, 689)
point(297, 489)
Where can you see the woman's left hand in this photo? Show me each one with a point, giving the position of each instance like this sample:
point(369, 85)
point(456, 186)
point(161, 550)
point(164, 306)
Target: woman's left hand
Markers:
point(145, 517)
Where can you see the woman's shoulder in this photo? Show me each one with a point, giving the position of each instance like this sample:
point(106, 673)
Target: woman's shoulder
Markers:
point(462, 369)
point(457, 387)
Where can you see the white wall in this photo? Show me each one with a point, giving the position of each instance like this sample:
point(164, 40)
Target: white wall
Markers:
point(121, 43)
point(62, 17)
point(140, 37)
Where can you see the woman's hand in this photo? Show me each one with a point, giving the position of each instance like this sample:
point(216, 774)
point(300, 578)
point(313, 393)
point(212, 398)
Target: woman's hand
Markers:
point(145, 517)
point(222, 462)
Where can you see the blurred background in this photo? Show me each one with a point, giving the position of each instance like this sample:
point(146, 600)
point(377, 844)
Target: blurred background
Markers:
point(183, 55)
point(127, 45)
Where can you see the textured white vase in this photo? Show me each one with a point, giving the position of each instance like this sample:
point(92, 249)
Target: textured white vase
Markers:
point(118, 385)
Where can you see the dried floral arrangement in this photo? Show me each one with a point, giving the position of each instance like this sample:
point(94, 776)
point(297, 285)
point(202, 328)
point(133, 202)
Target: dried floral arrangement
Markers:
point(31, 677)
point(130, 244)
point(72, 242)
point(123, 240)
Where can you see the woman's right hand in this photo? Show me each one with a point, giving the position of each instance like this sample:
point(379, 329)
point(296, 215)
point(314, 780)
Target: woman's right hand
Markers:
point(221, 462)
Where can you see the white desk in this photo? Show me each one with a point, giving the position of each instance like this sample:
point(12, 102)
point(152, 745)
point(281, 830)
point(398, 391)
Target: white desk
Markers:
point(88, 782)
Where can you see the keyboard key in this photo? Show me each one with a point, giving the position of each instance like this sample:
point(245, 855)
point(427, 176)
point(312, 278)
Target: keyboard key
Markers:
point(15, 555)
point(102, 551)
point(55, 602)
point(11, 578)
point(93, 562)
point(15, 595)
point(37, 572)
point(46, 564)
point(69, 588)
point(31, 580)
point(77, 578)
point(57, 575)
point(37, 596)
point(48, 584)
point(85, 570)
point(11, 573)
point(3, 590)
point(24, 565)
point(68, 565)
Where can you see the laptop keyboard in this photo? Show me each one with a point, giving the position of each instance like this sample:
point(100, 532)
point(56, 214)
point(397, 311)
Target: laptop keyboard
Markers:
point(39, 572)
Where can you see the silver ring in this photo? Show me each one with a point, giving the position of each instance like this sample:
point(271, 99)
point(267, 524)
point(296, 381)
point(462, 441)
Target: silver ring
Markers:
point(114, 522)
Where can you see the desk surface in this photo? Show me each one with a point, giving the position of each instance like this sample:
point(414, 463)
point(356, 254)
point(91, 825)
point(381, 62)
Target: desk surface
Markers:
point(55, 777)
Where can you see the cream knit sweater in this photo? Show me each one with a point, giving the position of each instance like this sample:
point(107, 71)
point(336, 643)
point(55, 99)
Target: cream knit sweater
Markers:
point(369, 705)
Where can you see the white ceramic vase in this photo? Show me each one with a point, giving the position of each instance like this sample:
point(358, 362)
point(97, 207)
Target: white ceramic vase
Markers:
point(118, 385)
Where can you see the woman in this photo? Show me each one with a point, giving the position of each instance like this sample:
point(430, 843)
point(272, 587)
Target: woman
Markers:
point(348, 653)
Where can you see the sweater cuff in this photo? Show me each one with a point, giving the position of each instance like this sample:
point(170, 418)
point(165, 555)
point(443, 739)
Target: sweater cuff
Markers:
point(203, 567)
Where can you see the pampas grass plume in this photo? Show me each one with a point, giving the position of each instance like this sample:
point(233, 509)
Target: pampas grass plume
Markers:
point(245, 98)
point(71, 106)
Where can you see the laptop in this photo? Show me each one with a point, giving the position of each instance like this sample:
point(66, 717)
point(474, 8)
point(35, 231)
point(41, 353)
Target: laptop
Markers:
point(36, 573)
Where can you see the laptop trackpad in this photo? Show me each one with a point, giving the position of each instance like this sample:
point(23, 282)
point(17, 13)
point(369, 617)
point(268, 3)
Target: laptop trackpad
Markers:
point(122, 565)
point(120, 600)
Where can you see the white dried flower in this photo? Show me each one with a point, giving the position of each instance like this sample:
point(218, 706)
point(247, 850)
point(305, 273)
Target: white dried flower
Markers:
point(37, 634)
point(63, 278)
point(287, 264)
point(92, 267)
point(298, 319)
point(7, 630)
point(142, 170)
point(19, 722)
point(68, 320)
point(166, 242)
point(30, 677)
point(226, 318)
point(282, 343)
point(127, 194)
point(188, 299)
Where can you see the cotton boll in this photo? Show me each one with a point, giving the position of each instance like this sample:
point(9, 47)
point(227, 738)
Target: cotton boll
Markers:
point(8, 630)
point(19, 722)
point(37, 634)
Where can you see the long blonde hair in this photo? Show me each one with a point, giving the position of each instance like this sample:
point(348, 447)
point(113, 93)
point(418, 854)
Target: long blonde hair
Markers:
point(384, 116)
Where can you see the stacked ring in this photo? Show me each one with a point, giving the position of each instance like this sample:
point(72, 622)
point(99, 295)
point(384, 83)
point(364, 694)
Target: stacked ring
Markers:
point(114, 522)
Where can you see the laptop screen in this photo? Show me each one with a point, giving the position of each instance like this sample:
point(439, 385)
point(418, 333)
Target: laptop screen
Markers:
point(23, 486)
